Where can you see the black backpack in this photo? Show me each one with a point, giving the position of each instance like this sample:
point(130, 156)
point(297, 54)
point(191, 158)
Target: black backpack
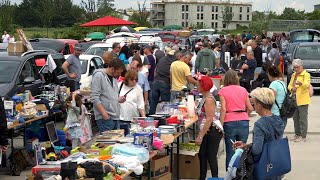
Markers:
point(289, 105)
point(245, 166)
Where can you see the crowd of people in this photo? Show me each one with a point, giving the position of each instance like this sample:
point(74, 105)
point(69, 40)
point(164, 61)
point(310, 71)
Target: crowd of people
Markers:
point(134, 79)
point(7, 38)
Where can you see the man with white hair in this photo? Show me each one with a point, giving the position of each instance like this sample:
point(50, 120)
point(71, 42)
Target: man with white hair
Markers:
point(248, 71)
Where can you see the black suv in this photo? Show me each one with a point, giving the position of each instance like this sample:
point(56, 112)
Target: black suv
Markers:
point(309, 53)
point(24, 72)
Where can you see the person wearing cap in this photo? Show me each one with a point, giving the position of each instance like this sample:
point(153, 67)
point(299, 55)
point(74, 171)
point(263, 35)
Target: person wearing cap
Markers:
point(161, 84)
point(72, 68)
point(266, 129)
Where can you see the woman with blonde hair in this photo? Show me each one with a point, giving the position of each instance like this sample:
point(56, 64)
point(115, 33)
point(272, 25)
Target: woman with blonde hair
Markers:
point(266, 129)
point(235, 111)
point(299, 86)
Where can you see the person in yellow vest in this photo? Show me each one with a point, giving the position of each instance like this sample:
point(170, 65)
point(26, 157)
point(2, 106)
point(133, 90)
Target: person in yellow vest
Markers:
point(299, 85)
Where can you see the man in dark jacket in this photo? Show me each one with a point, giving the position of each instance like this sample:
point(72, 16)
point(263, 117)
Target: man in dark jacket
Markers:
point(3, 128)
point(258, 56)
point(162, 84)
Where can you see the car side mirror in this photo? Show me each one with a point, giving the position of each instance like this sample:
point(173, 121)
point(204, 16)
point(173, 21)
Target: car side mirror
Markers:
point(28, 80)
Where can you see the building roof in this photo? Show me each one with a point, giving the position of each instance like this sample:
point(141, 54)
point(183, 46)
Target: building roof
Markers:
point(209, 2)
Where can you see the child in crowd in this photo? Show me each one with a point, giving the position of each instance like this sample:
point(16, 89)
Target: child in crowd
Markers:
point(75, 121)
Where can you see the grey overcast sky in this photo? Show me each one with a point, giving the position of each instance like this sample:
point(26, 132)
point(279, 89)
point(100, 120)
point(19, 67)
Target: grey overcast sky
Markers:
point(260, 5)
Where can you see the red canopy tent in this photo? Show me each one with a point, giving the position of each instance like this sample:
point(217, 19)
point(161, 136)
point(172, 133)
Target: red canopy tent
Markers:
point(107, 21)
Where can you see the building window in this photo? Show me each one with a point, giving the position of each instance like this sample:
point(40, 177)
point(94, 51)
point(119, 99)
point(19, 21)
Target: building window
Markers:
point(187, 24)
point(212, 8)
point(224, 25)
point(201, 23)
point(212, 15)
point(216, 16)
point(187, 7)
point(198, 24)
point(198, 8)
point(217, 8)
point(198, 16)
point(201, 15)
point(240, 17)
point(212, 24)
point(230, 9)
point(183, 7)
point(187, 15)
point(248, 17)
point(248, 9)
point(201, 8)
point(216, 24)
point(241, 9)
point(182, 24)
point(182, 15)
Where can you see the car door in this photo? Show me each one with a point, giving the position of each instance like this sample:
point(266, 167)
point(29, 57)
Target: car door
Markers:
point(57, 76)
point(29, 70)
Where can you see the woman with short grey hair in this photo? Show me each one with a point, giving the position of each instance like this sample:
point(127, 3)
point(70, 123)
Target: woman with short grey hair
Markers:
point(299, 86)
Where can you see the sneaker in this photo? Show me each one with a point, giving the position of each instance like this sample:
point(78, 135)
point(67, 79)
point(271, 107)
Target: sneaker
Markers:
point(294, 137)
point(300, 139)
point(283, 177)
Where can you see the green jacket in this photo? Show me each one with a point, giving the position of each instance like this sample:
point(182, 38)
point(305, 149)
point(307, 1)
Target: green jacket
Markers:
point(205, 60)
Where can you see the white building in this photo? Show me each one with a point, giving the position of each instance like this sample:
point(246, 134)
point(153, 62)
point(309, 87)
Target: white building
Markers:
point(206, 13)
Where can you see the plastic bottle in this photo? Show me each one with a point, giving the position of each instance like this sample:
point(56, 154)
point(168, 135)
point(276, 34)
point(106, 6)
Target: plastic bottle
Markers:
point(190, 106)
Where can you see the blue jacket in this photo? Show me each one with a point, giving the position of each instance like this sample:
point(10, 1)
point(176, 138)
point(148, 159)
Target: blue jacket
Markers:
point(264, 129)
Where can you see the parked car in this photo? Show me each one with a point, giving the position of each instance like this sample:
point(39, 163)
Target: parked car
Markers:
point(23, 72)
point(98, 49)
point(309, 53)
point(304, 35)
point(64, 46)
point(89, 63)
point(3, 47)
point(151, 40)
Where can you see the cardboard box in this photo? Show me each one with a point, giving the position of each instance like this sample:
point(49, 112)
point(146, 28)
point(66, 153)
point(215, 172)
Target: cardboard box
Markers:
point(189, 167)
point(160, 165)
point(16, 47)
point(166, 176)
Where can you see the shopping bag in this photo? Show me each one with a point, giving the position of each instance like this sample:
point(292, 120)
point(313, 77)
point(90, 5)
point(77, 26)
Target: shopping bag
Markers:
point(274, 161)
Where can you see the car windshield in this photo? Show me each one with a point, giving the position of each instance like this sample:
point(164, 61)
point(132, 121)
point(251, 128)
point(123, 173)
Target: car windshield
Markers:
point(84, 66)
point(311, 52)
point(97, 51)
point(7, 71)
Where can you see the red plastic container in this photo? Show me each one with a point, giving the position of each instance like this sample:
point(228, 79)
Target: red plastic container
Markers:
point(173, 120)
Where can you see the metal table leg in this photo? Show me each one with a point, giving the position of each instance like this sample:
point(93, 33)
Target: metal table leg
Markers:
point(171, 158)
point(149, 170)
point(194, 130)
point(178, 153)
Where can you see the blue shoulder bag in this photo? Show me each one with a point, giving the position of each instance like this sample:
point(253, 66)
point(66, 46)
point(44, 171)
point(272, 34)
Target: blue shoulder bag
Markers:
point(275, 159)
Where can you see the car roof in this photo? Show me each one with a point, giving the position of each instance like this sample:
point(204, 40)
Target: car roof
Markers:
point(101, 45)
point(309, 44)
point(83, 56)
point(18, 57)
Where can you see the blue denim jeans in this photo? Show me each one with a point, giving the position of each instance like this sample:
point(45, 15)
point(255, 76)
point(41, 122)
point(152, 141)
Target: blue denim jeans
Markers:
point(159, 89)
point(109, 124)
point(235, 131)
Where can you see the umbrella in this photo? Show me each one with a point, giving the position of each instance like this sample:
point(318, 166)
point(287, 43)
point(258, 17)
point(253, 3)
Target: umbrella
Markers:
point(96, 36)
point(124, 29)
point(107, 21)
point(174, 27)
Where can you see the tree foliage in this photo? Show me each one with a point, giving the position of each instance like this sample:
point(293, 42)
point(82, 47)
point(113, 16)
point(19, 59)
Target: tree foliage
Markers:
point(227, 14)
point(6, 14)
point(141, 17)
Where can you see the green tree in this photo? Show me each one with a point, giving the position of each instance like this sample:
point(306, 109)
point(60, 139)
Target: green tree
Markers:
point(292, 14)
point(141, 17)
point(315, 15)
point(105, 8)
point(27, 14)
point(227, 14)
point(6, 14)
point(90, 8)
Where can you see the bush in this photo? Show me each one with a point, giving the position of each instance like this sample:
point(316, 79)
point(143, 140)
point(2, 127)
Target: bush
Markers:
point(36, 35)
